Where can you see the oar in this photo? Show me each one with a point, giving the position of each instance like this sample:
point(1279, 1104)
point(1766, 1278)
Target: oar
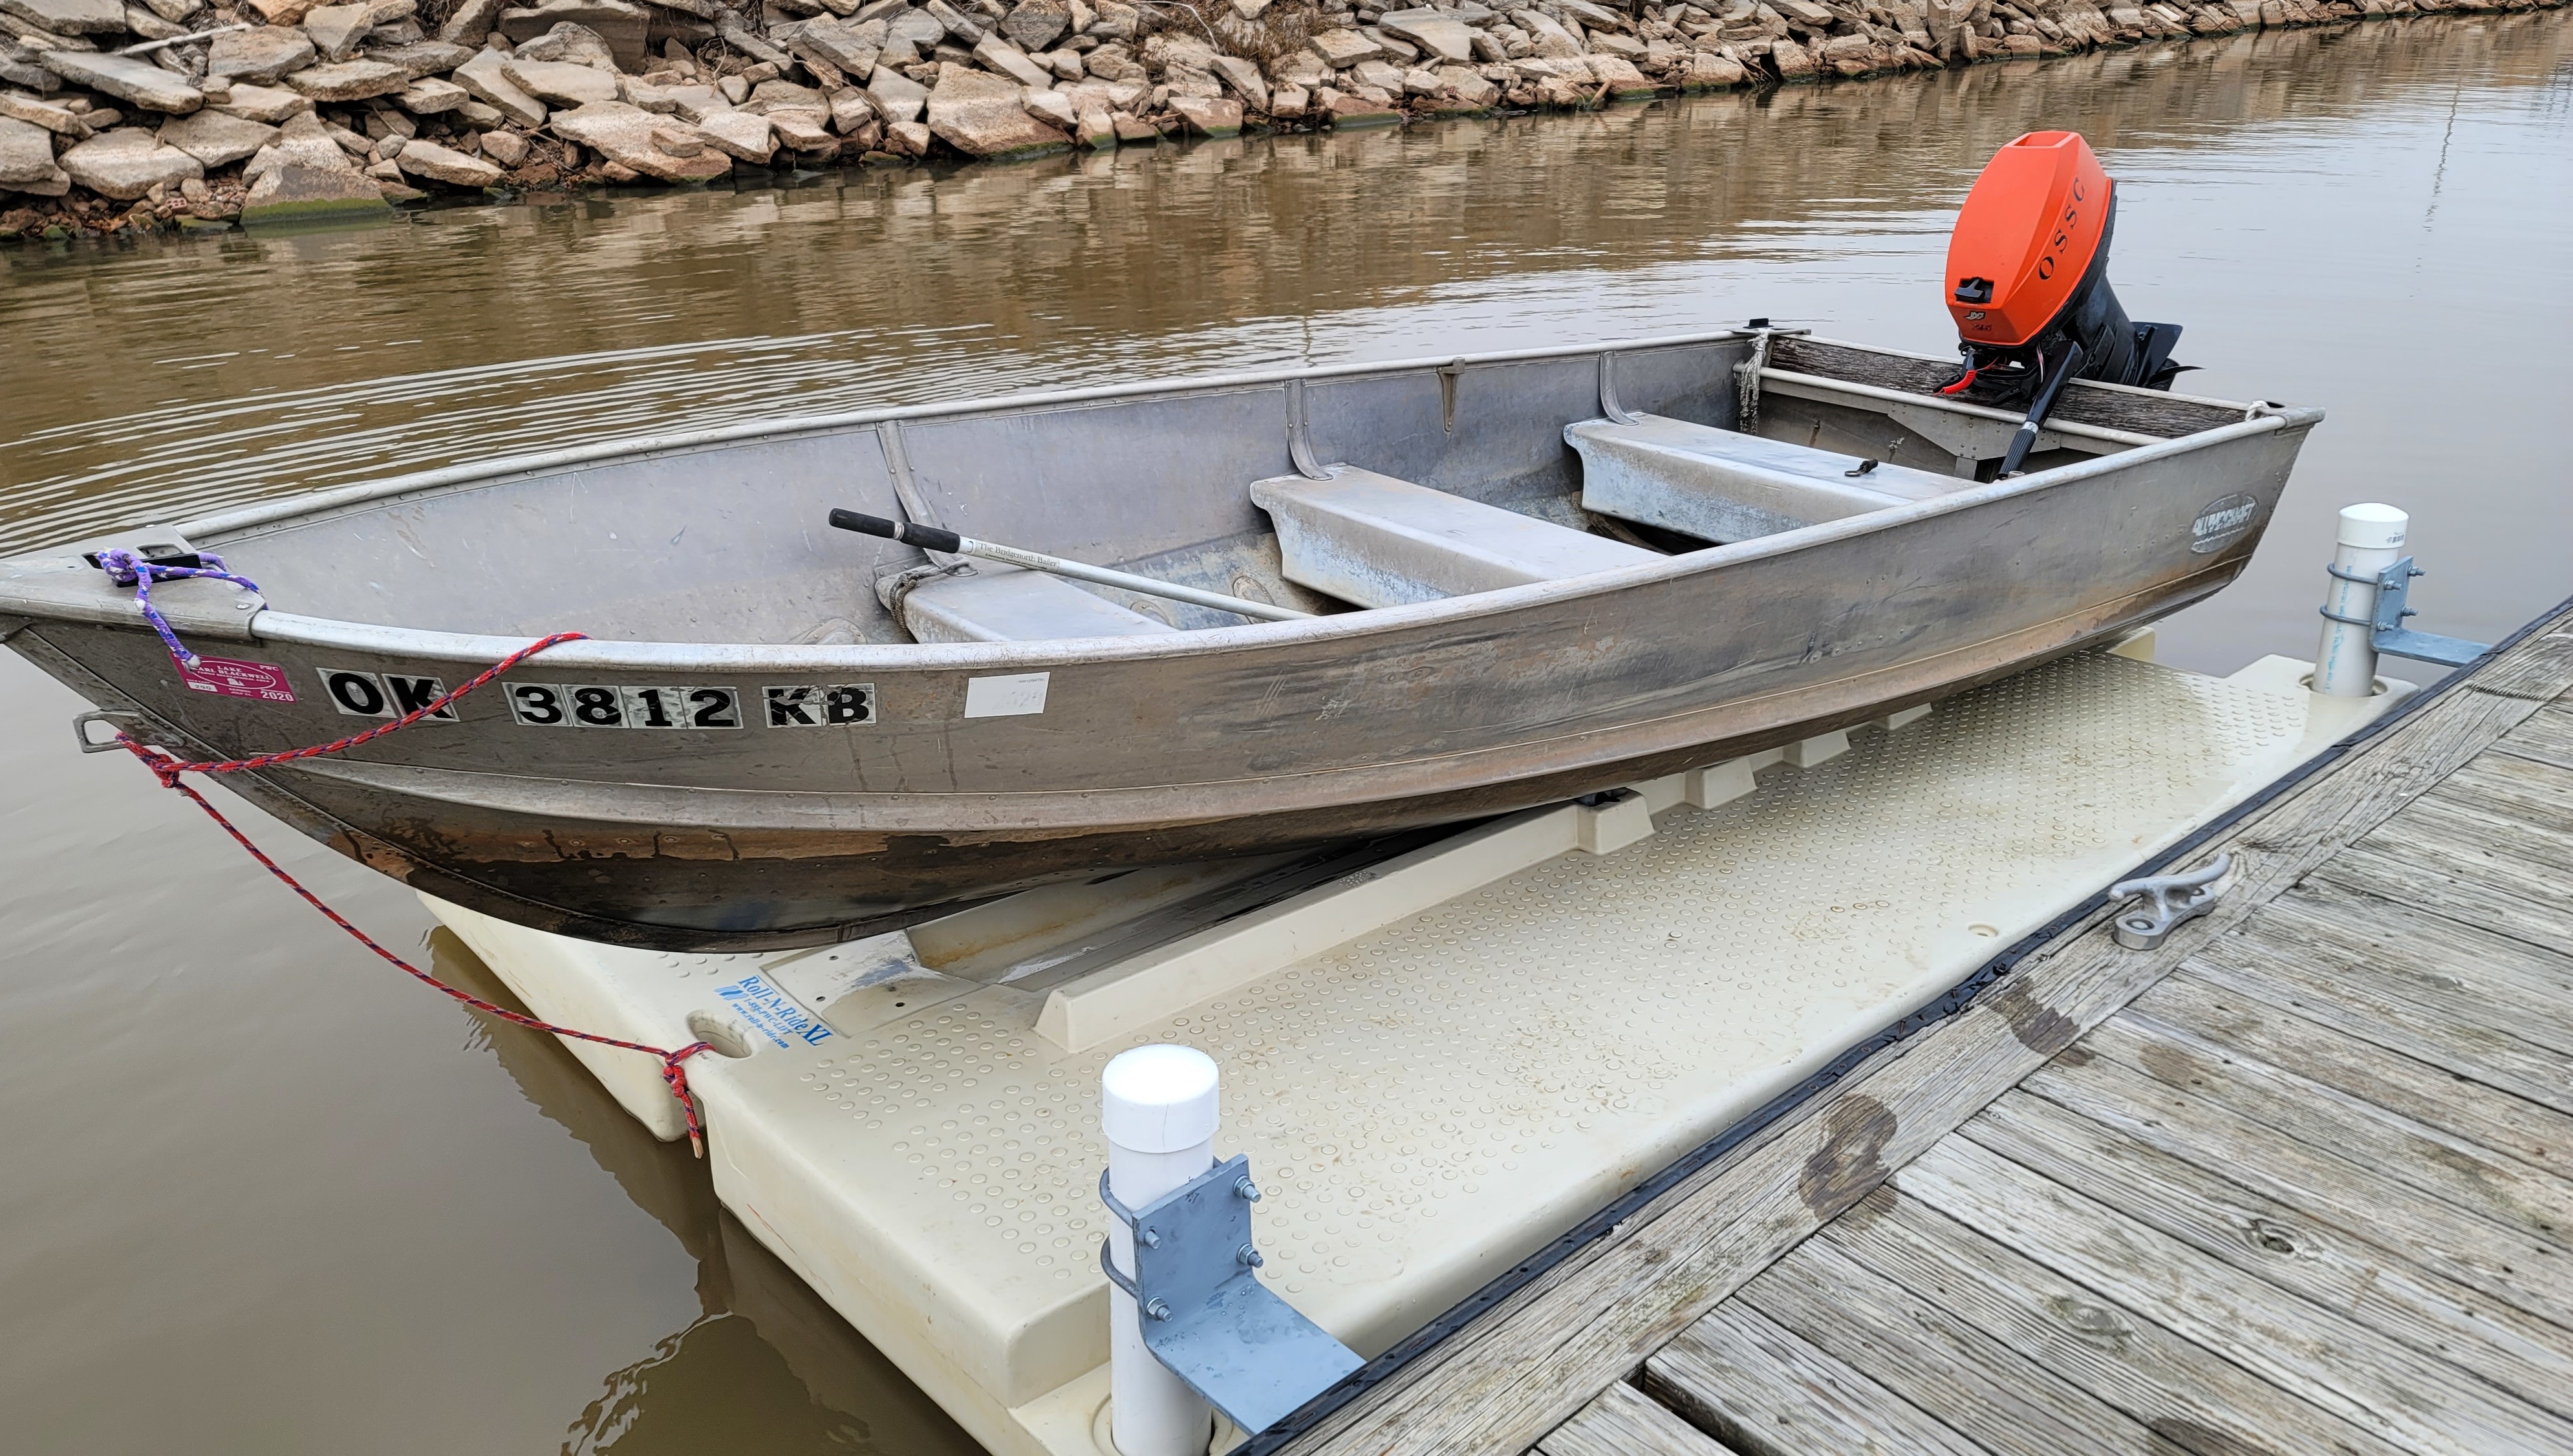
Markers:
point(931, 538)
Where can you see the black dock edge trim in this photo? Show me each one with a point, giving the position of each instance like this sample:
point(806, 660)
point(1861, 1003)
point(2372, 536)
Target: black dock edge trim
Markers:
point(1955, 1001)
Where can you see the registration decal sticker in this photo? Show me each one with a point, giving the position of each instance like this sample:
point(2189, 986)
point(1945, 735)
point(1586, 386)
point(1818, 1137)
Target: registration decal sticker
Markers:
point(824, 705)
point(263, 681)
point(583, 705)
point(384, 695)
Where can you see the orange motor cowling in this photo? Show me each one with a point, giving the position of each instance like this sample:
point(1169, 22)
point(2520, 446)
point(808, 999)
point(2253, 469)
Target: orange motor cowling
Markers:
point(2032, 231)
point(2028, 283)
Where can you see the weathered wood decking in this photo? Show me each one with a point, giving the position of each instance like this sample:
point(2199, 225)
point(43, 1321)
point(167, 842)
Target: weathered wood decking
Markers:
point(2302, 1180)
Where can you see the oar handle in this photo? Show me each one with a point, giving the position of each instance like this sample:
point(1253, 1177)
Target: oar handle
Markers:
point(928, 538)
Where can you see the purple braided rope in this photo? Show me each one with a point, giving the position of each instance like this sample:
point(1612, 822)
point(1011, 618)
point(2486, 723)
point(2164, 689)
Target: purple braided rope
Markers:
point(124, 569)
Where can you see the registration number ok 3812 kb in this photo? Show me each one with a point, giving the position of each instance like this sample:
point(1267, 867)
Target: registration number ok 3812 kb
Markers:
point(577, 705)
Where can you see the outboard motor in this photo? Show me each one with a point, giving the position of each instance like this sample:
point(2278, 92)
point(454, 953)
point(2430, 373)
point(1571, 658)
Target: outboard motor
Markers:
point(2028, 280)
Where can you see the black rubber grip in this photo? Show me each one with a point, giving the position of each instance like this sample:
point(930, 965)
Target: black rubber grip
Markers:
point(928, 538)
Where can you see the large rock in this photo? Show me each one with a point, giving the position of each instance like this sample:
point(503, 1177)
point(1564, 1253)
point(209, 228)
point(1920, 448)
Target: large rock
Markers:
point(1440, 34)
point(1244, 79)
point(1793, 61)
point(215, 139)
point(896, 97)
point(619, 23)
point(335, 30)
point(69, 17)
point(999, 56)
point(126, 163)
point(568, 41)
point(260, 55)
point(296, 194)
point(487, 77)
point(348, 80)
point(849, 49)
point(982, 116)
point(265, 104)
point(563, 83)
point(421, 58)
point(1707, 70)
point(127, 78)
point(1469, 86)
point(1553, 42)
point(471, 22)
point(427, 159)
point(26, 154)
point(1345, 111)
point(740, 134)
point(1624, 81)
point(1037, 24)
point(61, 121)
point(1340, 48)
point(1209, 118)
point(624, 135)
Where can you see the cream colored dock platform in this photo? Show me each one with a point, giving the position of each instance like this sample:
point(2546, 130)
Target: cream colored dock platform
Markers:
point(1437, 1062)
point(2294, 1181)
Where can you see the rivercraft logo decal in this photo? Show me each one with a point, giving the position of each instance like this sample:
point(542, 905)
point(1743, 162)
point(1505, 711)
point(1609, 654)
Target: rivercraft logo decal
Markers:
point(770, 1011)
point(384, 695)
point(2221, 523)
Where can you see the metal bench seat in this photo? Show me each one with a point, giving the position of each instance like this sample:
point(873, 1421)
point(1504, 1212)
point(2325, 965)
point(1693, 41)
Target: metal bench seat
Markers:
point(1378, 541)
point(1006, 604)
point(1724, 486)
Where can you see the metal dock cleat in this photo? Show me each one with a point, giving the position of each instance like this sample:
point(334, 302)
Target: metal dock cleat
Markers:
point(2170, 901)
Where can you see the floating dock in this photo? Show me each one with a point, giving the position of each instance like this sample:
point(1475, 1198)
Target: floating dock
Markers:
point(1442, 1059)
point(2293, 1182)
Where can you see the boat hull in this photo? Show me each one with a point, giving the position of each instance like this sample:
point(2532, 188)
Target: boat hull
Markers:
point(1182, 747)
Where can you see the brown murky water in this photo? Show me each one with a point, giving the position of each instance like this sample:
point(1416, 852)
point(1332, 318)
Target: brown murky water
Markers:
point(263, 1194)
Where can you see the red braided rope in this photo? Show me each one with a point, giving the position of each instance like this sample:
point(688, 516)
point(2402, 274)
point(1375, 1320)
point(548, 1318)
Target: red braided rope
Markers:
point(674, 1074)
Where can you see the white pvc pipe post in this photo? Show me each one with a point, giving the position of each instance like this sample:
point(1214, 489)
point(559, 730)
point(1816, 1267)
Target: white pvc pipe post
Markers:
point(2371, 539)
point(1158, 1111)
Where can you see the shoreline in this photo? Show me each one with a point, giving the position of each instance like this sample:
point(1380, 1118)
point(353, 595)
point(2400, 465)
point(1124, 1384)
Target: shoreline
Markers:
point(283, 115)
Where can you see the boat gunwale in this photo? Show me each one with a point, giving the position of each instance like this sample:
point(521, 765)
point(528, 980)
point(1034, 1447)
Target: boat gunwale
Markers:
point(332, 499)
point(639, 655)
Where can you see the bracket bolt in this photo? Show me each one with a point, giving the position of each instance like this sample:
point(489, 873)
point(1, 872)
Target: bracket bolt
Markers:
point(1243, 1188)
point(1159, 1309)
point(1249, 1255)
point(1149, 1239)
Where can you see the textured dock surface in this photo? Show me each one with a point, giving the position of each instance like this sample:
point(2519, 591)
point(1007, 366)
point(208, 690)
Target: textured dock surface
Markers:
point(2296, 1182)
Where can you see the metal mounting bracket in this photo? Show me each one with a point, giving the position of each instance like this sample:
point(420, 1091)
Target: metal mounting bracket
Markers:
point(1608, 402)
point(1300, 440)
point(2170, 901)
point(2385, 630)
point(1204, 1310)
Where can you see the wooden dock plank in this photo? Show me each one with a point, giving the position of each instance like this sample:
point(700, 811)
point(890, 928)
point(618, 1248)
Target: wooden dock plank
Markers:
point(2499, 1263)
point(1519, 1369)
point(2494, 1120)
point(2546, 737)
point(2467, 973)
point(2375, 1145)
point(2194, 1399)
point(2460, 892)
point(2490, 828)
point(2364, 1269)
point(2315, 1353)
point(2399, 1011)
point(2534, 793)
point(1936, 1361)
point(1765, 1392)
point(1623, 1421)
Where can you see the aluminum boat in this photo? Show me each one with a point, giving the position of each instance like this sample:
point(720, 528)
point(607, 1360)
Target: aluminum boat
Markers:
point(1516, 578)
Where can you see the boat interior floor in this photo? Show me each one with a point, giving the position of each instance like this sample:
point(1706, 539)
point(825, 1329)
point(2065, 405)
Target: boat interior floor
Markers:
point(1371, 540)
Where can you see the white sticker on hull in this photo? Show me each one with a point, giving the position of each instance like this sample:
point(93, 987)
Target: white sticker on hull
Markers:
point(1014, 696)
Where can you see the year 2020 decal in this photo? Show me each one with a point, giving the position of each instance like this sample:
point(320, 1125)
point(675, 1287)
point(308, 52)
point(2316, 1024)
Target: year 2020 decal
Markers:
point(578, 705)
